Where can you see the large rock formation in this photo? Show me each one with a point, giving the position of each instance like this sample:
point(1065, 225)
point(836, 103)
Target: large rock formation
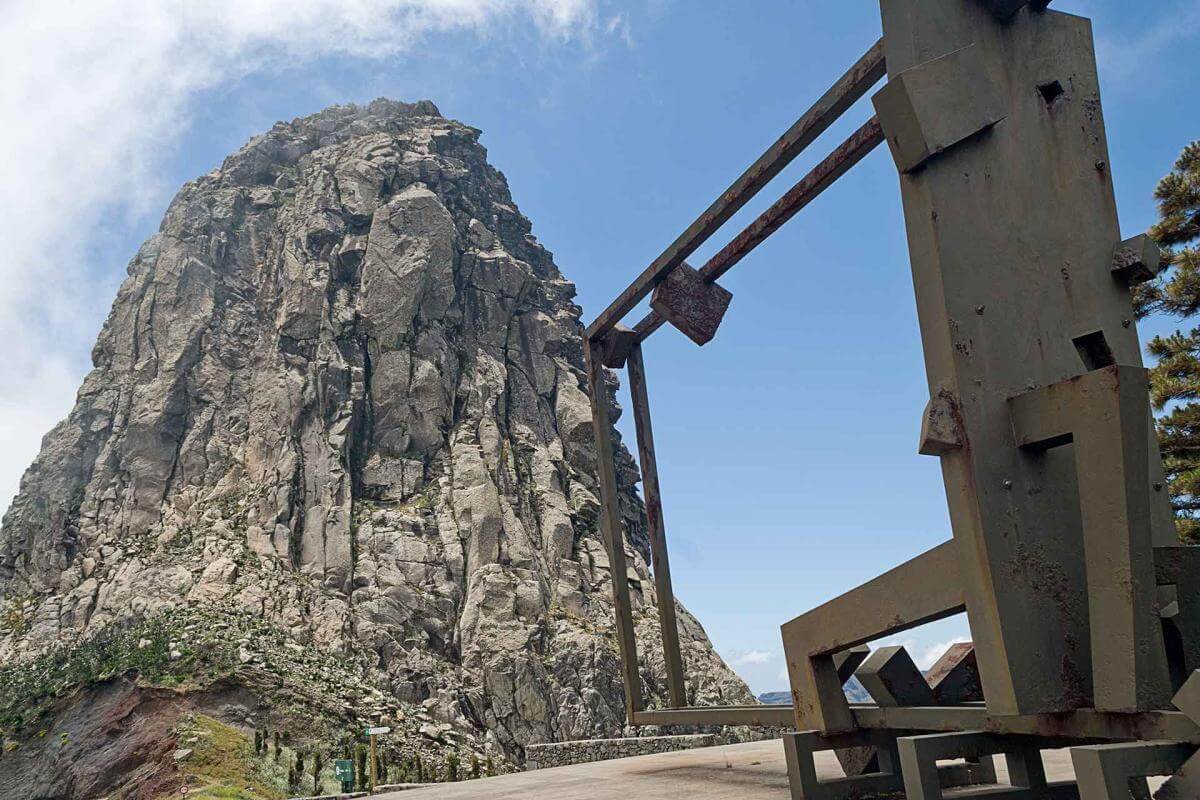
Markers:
point(338, 426)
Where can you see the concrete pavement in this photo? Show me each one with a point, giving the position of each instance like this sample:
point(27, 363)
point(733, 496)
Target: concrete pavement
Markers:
point(753, 771)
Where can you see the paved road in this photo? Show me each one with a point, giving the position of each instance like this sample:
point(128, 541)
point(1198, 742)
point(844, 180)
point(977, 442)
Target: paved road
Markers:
point(753, 771)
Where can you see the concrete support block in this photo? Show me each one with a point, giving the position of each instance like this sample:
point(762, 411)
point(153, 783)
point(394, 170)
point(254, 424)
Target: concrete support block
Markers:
point(613, 350)
point(892, 678)
point(800, 749)
point(954, 678)
point(1119, 771)
point(919, 756)
point(858, 760)
point(933, 106)
point(691, 304)
point(1177, 572)
point(1103, 414)
point(922, 590)
point(1136, 260)
point(1184, 784)
point(847, 661)
point(854, 760)
point(1187, 699)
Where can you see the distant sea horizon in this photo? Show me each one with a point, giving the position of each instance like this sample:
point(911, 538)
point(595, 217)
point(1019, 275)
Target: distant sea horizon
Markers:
point(854, 690)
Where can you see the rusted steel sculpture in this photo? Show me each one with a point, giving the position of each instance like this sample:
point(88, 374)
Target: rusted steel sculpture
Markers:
point(1084, 609)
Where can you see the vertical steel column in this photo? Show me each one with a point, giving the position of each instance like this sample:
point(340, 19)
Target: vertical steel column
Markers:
point(658, 537)
point(610, 526)
point(1006, 292)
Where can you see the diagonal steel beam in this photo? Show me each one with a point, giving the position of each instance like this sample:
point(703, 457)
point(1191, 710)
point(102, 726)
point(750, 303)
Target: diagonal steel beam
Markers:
point(865, 73)
point(820, 178)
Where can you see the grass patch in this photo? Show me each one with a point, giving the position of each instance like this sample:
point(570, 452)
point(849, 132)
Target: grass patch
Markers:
point(222, 765)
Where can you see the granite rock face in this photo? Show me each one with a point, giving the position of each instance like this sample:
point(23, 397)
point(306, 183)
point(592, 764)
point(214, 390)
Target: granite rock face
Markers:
point(342, 391)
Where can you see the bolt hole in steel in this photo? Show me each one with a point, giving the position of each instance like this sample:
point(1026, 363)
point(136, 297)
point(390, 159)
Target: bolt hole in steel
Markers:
point(1094, 351)
point(1051, 91)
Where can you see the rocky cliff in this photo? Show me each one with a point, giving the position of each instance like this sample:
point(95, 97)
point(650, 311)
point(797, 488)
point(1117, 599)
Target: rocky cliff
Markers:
point(333, 464)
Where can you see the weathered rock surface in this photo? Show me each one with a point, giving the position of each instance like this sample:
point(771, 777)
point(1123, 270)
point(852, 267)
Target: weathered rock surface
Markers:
point(342, 390)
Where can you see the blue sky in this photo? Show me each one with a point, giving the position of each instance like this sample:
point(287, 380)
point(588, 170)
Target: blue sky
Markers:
point(787, 445)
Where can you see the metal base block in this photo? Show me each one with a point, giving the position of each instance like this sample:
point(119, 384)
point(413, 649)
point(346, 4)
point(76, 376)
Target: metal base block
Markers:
point(919, 756)
point(1119, 771)
point(801, 749)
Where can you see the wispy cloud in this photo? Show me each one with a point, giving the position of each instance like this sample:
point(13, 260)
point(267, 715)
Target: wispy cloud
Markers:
point(618, 25)
point(929, 656)
point(92, 97)
point(753, 657)
point(1125, 54)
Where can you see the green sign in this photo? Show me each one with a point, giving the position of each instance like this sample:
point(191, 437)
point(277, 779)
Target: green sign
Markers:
point(343, 770)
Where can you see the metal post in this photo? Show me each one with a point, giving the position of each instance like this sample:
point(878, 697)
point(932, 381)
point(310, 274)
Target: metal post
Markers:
point(373, 763)
point(610, 525)
point(658, 537)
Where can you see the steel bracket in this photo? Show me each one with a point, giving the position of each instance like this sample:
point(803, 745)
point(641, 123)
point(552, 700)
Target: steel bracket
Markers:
point(934, 106)
point(1136, 260)
point(691, 304)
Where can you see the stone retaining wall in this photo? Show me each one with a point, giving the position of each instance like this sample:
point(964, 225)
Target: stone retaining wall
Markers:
point(560, 754)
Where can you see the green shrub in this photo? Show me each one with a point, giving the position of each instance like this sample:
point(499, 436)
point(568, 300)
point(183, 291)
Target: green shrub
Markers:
point(28, 688)
point(360, 767)
point(318, 763)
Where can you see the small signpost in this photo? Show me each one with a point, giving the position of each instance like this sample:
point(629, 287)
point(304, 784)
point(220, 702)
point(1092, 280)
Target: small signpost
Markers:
point(343, 770)
point(371, 734)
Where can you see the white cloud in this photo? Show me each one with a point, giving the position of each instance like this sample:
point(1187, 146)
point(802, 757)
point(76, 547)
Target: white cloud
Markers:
point(931, 654)
point(94, 93)
point(1123, 55)
point(924, 652)
point(753, 657)
point(618, 25)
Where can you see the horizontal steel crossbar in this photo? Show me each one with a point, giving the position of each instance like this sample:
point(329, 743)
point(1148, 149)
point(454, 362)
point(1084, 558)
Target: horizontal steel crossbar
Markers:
point(865, 73)
point(820, 178)
point(1085, 724)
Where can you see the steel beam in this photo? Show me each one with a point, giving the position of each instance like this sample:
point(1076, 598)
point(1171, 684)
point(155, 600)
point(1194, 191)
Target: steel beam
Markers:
point(1105, 771)
point(1003, 290)
point(919, 756)
point(654, 520)
point(1103, 414)
point(614, 539)
point(892, 679)
point(800, 749)
point(1084, 725)
point(925, 589)
point(820, 178)
point(865, 73)
point(954, 678)
point(1179, 566)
